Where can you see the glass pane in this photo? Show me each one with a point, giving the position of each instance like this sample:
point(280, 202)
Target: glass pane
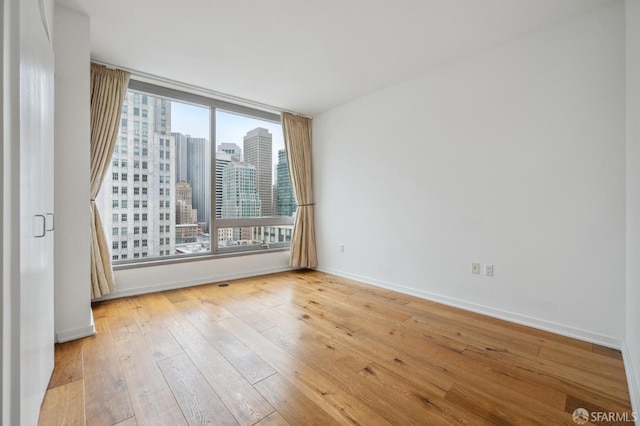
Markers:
point(252, 176)
point(236, 237)
point(273, 233)
point(165, 145)
point(254, 236)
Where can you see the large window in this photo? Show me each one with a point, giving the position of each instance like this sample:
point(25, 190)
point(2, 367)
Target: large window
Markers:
point(208, 177)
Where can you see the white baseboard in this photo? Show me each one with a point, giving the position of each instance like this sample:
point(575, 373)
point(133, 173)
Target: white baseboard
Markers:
point(564, 330)
point(77, 333)
point(634, 390)
point(190, 283)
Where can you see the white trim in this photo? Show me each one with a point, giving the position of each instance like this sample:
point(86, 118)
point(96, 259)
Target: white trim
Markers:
point(198, 281)
point(77, 333)
point(564, 330)
point(634, 390)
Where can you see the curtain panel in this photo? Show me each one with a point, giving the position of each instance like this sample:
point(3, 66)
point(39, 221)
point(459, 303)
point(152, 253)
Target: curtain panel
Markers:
point(297, 141)
point(108, 88)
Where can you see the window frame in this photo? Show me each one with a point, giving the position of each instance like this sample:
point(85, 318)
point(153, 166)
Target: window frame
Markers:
point(144, 88)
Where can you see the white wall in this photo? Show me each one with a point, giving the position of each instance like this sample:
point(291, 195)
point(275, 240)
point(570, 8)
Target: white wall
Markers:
point(176, 275)
point(72, 244)
point(632, 352)
point(515, 157)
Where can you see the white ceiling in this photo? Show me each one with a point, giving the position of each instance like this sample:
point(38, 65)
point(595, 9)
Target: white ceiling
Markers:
point(302, 55)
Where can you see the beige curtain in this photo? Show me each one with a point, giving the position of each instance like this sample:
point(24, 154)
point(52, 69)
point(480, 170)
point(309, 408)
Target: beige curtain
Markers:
point(108, 88)
point(297, 141)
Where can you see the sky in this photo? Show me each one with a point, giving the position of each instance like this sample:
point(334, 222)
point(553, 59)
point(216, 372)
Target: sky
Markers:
point(230, 128)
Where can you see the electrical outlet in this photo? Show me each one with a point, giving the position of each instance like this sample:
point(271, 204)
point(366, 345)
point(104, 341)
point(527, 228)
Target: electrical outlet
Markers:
point(488, 270)
point(341, 248)
point(475, 268)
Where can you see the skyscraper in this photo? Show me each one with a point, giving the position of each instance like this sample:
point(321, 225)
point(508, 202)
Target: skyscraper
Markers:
point(198, 165)
point(137, 199)
point(232, 149)
point(274, 197)
point(240, 195)
point(258, 152)
point(185, 213)
point(286, 201)
point(222, 159)
point(180, 157)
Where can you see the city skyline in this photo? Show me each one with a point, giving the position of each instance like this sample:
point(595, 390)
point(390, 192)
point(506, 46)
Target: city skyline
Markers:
point(156, 197)
point(193, 120)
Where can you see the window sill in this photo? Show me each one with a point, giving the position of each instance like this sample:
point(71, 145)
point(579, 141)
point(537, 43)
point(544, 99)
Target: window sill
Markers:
point(170, 260)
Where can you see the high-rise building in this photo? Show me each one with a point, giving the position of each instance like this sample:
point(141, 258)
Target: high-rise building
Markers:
point(274, 197)
point(232, 149)
point(137, 200)
point(187, 229)
point(258, 152)
point(241, 197)
point(185, 213)
point(180, 157)
point(198, 166)
point(222, 159)
point(285, 201)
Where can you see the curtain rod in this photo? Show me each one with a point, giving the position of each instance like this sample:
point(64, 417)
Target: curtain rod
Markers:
point(150, 78)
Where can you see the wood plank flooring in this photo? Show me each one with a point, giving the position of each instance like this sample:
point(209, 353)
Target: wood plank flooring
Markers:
point(307, 348)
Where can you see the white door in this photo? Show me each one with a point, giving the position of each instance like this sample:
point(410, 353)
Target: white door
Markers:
point(36, 206)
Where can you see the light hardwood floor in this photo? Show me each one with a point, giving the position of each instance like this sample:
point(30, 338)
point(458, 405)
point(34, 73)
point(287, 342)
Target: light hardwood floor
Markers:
point(307, 348)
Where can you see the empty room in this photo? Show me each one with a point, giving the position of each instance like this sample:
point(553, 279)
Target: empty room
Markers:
point(410, 212)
